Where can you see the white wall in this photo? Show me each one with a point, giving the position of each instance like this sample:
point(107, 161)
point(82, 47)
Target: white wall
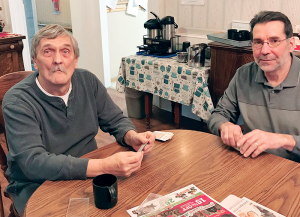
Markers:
point(125, 33)
point(89, 24)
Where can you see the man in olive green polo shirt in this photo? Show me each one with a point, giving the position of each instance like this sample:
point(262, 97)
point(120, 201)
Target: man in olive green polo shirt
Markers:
point(265, 93)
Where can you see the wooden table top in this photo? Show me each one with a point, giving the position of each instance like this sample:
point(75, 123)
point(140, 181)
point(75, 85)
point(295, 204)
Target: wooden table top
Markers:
point(190, 157)
point(11, 38)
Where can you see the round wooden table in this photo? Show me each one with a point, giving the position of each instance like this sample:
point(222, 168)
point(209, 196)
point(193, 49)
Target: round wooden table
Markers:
point(190, 157)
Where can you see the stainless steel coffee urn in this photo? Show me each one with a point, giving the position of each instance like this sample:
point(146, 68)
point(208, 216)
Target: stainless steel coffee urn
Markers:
point(168, 32)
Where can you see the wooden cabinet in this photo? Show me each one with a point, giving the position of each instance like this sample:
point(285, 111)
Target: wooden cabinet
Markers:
point(225, 60)
point(11, 59)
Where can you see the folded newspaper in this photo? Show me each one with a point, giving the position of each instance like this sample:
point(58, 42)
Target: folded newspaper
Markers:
point(187, 201)
point(244, 207)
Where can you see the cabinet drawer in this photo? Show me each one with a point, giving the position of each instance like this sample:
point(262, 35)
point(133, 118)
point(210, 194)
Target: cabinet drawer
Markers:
point(11, 47)
point(11, 59)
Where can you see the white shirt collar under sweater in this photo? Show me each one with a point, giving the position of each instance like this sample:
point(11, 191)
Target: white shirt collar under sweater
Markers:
point(64, 97)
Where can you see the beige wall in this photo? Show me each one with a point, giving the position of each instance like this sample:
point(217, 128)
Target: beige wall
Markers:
point(216, 15)
point(45, 13)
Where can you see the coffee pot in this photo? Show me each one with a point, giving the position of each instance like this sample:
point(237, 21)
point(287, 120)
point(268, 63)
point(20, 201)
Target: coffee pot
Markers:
point(160, 36)
point(168, 32)
point(196, 55)
point(153, 27)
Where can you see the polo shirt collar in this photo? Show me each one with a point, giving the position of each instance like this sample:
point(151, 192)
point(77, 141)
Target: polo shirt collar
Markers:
point(292, 78)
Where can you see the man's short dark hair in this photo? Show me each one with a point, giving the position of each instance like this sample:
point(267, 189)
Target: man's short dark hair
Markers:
point(267, 16)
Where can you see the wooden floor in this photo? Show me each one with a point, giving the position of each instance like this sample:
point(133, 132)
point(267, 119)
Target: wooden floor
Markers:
point(160, 120)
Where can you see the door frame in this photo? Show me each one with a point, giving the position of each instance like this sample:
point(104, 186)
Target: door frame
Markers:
point(19, 26)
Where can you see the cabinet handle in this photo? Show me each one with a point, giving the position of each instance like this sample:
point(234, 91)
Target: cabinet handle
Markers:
point(12, 46)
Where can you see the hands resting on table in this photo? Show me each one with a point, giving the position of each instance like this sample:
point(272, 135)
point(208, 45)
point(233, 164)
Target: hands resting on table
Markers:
point(254, 142)
point(123, 163)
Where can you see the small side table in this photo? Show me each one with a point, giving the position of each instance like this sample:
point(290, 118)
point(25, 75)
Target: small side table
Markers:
point(168, 79)
point(176, 110)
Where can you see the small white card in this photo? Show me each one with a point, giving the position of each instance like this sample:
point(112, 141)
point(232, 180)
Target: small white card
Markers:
point(142, 147)
point(111, 3)
point(163, 136)
point(132, 8)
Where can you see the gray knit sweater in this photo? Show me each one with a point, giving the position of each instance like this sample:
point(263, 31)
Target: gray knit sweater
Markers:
point(46, 137)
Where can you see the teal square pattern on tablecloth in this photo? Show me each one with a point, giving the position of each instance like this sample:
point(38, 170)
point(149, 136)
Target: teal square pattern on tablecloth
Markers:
point(167, 78)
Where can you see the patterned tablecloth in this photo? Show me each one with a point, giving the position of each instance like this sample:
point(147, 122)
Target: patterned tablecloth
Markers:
point(167, 78)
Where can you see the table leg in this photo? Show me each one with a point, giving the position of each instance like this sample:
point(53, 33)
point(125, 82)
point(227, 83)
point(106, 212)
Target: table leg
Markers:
point(178, 108)
point(148, 108)
point(173, 108)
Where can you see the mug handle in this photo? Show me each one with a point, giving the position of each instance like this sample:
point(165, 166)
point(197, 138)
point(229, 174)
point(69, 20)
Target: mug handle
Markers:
point(113, 193)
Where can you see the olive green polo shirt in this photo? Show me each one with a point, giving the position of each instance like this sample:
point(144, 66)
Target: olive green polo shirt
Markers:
point(271, 109)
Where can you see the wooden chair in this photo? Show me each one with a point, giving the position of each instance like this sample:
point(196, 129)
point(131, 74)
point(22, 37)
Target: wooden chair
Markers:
point(6, 82)
point(3, 164)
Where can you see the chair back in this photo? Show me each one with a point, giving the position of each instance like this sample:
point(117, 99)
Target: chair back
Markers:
point(6, 82)
point(3, 164)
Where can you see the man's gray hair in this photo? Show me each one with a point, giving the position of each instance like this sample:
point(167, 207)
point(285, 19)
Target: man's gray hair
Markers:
point(52, 31)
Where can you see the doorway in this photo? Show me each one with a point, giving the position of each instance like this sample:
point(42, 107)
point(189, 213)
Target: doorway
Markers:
point(31, 21)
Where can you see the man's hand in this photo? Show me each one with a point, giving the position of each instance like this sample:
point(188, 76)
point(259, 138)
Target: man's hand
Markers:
point(257, 141)
point(119, 164)
point(122, 163)
point(135, 140)
point(230, 133)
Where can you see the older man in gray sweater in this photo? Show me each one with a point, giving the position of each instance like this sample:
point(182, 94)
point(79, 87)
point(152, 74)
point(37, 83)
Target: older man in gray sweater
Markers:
point(52, 117)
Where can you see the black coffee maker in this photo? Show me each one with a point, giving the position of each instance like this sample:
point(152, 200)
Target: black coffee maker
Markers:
point(160, 36)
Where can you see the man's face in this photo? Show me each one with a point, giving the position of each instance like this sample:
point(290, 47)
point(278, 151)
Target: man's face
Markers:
point(56, 63)
point(272, 60)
